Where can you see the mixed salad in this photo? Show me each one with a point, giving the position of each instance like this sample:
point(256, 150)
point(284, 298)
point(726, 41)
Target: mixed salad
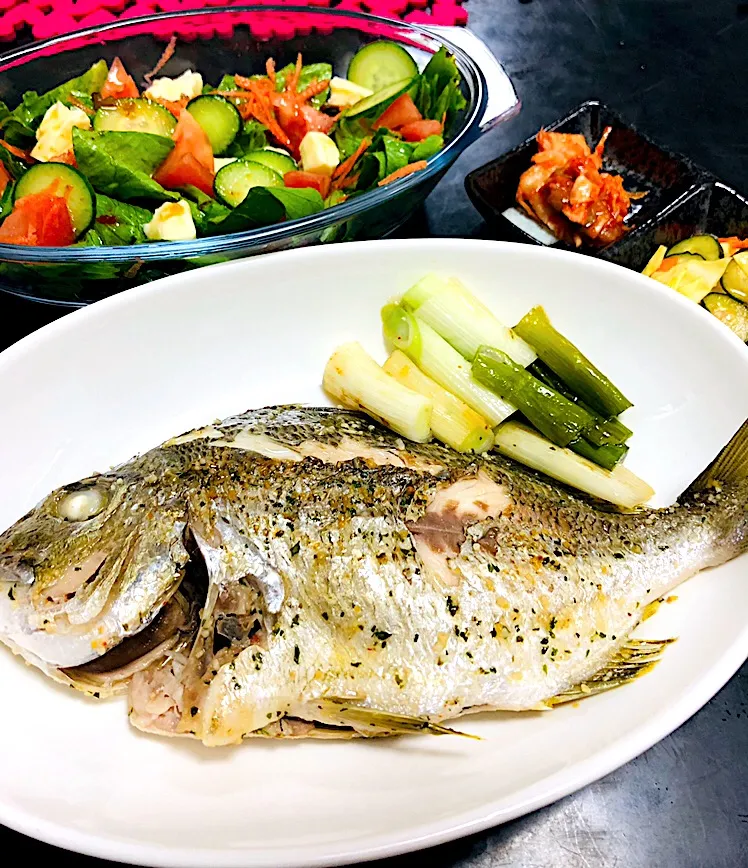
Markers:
point(710, 271)
point(458, 374)
point(99, 161)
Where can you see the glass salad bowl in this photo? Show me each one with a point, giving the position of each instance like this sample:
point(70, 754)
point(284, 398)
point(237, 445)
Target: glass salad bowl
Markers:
point(216, 41)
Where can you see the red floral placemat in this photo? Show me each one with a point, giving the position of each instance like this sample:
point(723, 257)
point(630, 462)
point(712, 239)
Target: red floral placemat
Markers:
point(46, 18)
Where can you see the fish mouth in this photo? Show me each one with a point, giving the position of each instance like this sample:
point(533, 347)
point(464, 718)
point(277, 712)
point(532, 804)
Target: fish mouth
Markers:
point(171, 631)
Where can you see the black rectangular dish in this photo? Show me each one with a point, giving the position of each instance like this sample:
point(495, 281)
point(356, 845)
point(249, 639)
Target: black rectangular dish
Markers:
point(667, 179)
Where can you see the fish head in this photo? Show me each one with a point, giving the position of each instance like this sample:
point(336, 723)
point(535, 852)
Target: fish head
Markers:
point(90, 565)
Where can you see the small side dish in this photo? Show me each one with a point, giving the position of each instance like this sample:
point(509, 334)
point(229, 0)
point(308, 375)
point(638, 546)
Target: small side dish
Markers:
point(457, 373)
point(100, 161)
point(566, 191)
point(710, 271)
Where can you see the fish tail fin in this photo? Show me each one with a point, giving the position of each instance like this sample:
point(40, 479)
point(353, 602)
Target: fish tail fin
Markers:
point(372, 722)
point(730, 467)
point(727, 476)
point(633, 659)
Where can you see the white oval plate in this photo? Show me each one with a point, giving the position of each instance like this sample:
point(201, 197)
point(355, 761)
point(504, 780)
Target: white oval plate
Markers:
point(126, 373)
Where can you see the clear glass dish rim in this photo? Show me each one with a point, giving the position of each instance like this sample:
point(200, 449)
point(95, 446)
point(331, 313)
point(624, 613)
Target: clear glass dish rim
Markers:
point(160, 251)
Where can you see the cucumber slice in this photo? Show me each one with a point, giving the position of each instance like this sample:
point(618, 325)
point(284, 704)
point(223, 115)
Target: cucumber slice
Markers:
point(380, 64)
point(706, 246)
point(135, 116)
point(71, 186)
point(218, 117)
point(735, 278)
point(233, 182)
point(379, 99)
point(274, 160)
point(729, 311)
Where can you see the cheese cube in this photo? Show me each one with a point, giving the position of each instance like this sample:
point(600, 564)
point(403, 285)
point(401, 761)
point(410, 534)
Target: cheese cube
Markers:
point(171, 221)
point(344, 93)
point(319, 153)
point(189, 84)
point(54, 136)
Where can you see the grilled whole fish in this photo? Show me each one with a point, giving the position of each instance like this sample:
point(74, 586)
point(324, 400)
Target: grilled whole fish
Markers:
point(296, 571)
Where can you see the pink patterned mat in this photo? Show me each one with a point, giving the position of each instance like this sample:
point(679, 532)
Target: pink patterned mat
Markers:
point(47, 18)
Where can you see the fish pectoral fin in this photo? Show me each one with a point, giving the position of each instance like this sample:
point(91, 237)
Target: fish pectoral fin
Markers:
point(633, 659)
point(341, 712)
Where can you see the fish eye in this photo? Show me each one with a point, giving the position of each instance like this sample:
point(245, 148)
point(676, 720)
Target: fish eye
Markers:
point(82, 504)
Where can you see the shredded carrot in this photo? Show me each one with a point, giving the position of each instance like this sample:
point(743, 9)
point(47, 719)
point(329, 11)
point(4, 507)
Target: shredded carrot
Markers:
point(174, 106)
point(345, 167)
point(166, 56)
point(668, 263)
point(17, 152)
point(233, 94)
point(734, 242)
point(403, 172)
point(262, 109)
point(270, 70)
point(292, 82)
point(313, 89)
point(254, 84)
point(349, 181)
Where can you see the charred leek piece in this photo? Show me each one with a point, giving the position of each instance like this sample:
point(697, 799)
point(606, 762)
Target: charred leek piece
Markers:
point(604, 431)
point(452, 421)
point(619, 486)
point(354, 380)
point(607, 456)
point(555, 416)
point(568, 363)
point(440, 361)
point(463, 321)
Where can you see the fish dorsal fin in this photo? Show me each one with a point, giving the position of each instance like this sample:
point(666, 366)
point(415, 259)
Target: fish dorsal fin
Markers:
point(730, 466)
point(372, 722)
point(633, 659)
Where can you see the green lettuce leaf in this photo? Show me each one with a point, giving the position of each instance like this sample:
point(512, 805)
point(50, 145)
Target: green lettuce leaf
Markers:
point(373, 169)
point(116, 223)
point(15, 166)
point(251, 138)
point(427, 148)
point(438, 91)
point(14, 131)
point(34, 105)
point(120, 164)
point(263, 206)
point(206, 212)
point(397, 153)
point(6, 201)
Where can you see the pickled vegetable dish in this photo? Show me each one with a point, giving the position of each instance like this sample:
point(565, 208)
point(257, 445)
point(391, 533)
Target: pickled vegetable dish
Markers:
point(710, 271)
point(103, 160)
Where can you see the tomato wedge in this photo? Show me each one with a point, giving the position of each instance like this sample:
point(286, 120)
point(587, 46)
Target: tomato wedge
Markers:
point(297, 120)
point(399, 113)
point(38, 220)
point(119, 83)
point(308, 179)
point(417, 131)
point(190, 162)
point(5, 178)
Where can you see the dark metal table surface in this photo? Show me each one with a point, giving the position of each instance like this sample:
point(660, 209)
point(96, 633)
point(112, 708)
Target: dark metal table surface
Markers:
point(677, 69)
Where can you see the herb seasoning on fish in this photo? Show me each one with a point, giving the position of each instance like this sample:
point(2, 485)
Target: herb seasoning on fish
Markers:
point(168, 577)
